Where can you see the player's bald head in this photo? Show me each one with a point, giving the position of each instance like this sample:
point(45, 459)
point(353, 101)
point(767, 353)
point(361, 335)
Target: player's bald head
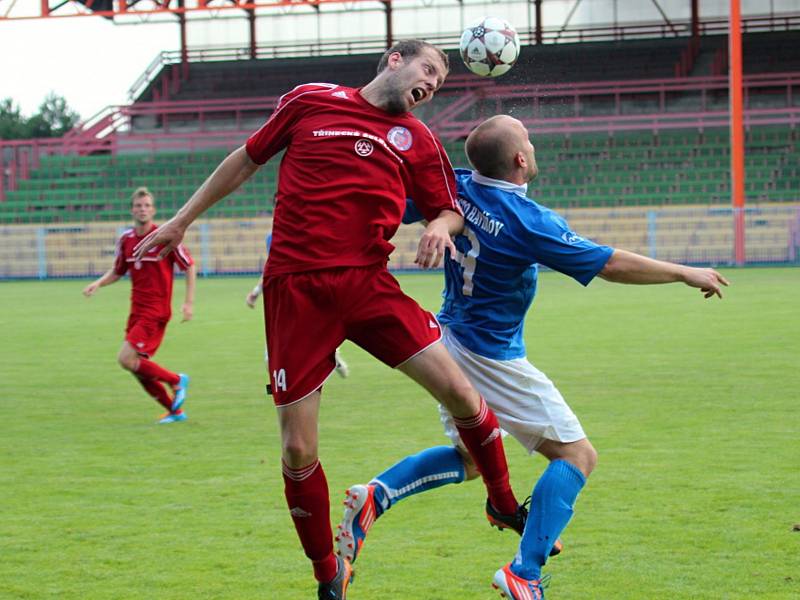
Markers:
point(493, 145)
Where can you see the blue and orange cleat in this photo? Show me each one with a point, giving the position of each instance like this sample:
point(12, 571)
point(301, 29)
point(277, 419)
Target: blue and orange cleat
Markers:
point(172, 417)
point(359, 515)
point(337, 589)
point(180, 392)
point(517, 588)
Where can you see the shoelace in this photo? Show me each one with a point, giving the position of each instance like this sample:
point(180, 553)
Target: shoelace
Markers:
point(524, 508)
point(544, 582)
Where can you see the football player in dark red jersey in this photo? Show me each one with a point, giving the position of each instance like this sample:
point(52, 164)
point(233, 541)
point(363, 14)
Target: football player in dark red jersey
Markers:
point(151, 306)
point(351, 158)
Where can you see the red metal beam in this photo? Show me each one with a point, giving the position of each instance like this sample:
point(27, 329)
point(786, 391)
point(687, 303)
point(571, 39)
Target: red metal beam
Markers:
point(71, 8)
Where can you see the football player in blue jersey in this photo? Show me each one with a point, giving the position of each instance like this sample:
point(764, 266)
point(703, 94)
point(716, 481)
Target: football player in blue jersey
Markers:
point(489, 285)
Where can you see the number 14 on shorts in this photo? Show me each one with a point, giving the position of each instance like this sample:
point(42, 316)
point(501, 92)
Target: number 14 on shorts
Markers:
point(279, 378)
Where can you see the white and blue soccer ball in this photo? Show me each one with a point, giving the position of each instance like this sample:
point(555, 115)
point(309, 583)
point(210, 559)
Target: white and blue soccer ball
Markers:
point(489, 47)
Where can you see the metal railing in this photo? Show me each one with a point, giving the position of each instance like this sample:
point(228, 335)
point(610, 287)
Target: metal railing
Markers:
point(450, 40)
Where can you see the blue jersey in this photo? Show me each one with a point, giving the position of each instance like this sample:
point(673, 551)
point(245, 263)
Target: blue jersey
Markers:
point(491, 282)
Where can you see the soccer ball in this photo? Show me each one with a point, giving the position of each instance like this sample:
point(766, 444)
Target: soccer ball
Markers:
point(489, 47)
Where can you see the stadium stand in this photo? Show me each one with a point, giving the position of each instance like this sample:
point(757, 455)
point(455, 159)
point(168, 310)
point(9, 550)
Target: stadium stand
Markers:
point(73, 187)
point(581, 170)
point(631, 136)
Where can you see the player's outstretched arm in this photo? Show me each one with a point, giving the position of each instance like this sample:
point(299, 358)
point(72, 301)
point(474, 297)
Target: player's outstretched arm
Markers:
point(187, 309)
point(107, 278)
point(229, 175)
point(629, 267)
point(436, 238)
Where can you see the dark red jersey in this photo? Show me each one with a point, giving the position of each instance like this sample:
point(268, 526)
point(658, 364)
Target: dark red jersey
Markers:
point(151, 279)
point(345, 176)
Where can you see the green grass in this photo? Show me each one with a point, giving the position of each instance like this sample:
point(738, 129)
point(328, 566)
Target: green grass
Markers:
point(691, 404)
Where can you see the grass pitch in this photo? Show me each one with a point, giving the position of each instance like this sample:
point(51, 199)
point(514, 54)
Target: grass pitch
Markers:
point(692, 405)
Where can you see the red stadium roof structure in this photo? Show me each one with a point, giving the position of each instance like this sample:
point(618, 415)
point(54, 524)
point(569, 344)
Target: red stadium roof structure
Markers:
point(124, 8)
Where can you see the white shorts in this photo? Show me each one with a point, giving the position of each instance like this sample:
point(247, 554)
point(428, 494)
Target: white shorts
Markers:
point(527, 404)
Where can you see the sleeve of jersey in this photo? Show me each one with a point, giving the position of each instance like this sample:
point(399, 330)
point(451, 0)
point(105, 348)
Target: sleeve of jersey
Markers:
point(412, 214)
point(274, 134)
point(182, 257)
point(434, 182)
point(556, 246)
point(120, 264)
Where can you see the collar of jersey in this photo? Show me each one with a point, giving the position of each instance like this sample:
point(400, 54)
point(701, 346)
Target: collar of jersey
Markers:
point(153, 226)
point(520, 190)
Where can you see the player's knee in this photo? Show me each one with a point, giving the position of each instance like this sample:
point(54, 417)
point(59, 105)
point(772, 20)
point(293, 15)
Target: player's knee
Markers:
point(461, 399)
point(127, 362)
point(297, 453)
point(580, 454)
point(586, 458)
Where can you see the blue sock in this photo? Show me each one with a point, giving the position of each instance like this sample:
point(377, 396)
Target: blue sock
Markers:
point(551, 509)
point(417, 473)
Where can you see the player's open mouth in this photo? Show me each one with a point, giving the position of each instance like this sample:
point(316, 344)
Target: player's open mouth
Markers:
point(418, 94)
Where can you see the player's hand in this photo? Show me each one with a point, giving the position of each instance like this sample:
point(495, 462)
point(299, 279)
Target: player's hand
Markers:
point(251, 300)
point(90, 289)
point(433, 243)
point(188, 312)
point(168, 236)
point(707, 280)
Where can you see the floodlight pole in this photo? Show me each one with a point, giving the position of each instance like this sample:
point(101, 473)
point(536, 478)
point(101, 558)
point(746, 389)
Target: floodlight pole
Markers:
point(251, 22)
point(387, 4)
point(737, 129)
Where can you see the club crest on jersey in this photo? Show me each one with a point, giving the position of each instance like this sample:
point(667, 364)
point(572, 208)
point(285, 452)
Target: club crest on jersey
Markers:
point(364, 147)
point(400, 138)
point(571, 238)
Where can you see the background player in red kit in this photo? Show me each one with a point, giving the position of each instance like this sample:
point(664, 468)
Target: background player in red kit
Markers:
point(151, 306)
point(352, 157)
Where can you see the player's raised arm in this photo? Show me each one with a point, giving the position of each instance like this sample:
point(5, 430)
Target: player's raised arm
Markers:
point(437, 237)
point(629, 267)
point(107, 278)
point(227, 177)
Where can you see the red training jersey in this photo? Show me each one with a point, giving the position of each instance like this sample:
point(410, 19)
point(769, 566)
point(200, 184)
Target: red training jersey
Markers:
point(151, 278)
point(345, 176)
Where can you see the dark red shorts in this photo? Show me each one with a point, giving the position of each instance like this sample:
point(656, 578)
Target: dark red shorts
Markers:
point(308, 315)
point(145, 334)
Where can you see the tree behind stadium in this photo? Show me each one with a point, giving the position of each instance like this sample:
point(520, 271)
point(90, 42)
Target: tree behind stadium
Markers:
point(53, 119)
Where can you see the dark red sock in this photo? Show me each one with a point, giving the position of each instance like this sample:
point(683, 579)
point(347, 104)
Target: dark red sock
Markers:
point(151, 370)
point(306, 492)
point(481, 435)
point(157, 390)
